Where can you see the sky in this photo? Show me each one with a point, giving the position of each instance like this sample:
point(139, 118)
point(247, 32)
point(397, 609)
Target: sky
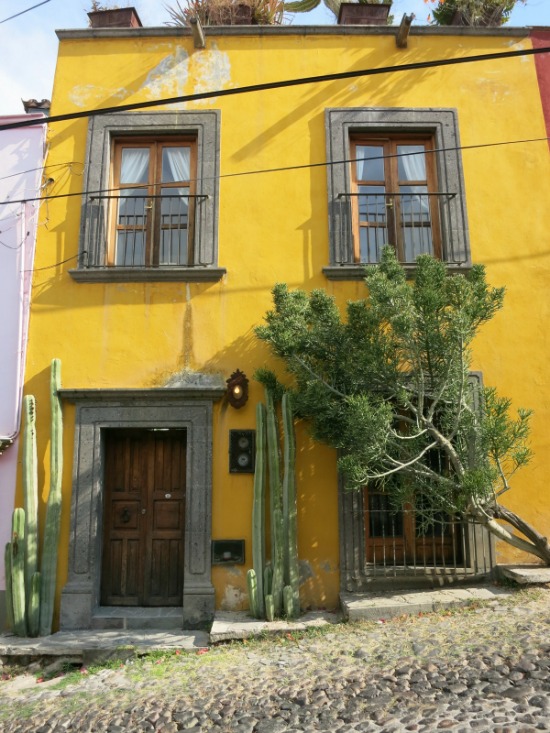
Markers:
point(29, 43)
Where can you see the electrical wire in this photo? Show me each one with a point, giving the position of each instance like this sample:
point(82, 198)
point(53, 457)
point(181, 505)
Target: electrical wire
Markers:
point(56, 264)
point(277, 85)
point(41, 167)
point(24, 11)
point(324, 164)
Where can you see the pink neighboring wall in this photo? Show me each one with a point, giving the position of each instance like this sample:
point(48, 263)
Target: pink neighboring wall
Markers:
point(21, 160)
point(540, 39)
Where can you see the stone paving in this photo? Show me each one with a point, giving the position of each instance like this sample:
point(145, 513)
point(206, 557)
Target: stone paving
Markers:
point(485, 668)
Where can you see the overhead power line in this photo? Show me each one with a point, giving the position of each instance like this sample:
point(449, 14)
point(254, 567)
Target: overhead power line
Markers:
point(299, 166)
point(278, 85)
point(24, 11)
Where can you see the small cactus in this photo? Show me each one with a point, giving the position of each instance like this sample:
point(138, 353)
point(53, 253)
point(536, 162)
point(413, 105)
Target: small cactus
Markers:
point(17, 547)
point(253, 597)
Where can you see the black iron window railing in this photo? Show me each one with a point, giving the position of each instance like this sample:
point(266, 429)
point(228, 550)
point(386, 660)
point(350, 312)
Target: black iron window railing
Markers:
point(404, 540)
point(149, 230)
point(410, 220)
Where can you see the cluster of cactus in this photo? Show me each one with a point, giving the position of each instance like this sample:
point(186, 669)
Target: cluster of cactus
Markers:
point(273, 588)
point(30, 594)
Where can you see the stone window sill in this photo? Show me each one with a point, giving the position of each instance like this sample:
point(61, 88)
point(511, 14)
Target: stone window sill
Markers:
point(147, 274)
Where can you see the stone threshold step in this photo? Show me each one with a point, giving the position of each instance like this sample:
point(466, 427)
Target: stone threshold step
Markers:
point(388, 604)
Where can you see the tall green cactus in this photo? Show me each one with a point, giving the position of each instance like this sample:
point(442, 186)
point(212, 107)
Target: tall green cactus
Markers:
point(53, 509)
point(292, 571)
point(276, 505)
point(258, 511)
point(30, 497)
point(29, 593)
point(280, 578)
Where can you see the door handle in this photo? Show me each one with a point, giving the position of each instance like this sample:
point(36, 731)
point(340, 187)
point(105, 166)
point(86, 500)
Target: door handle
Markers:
point(143, 511)
point(125, 515)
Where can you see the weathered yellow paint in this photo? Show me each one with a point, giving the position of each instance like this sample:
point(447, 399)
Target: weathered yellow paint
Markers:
point(273, 226)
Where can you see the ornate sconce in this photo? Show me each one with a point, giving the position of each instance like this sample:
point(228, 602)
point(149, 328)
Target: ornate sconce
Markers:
point(237, 389)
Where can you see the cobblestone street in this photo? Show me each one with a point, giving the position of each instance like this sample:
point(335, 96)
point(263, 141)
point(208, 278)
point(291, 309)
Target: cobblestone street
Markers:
point(484, 669)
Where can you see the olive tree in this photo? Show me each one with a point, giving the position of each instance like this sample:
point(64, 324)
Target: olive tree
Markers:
point(389, 387)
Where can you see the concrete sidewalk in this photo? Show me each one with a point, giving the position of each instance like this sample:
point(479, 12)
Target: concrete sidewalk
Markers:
point(90, 645)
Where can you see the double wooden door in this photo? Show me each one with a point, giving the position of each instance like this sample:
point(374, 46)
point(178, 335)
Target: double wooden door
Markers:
point(144, 517)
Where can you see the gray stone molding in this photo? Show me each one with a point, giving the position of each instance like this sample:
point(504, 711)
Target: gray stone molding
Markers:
point(290, 30)
point(97, 410)
point(148, 274)
point(94, 226)
point(341, 123)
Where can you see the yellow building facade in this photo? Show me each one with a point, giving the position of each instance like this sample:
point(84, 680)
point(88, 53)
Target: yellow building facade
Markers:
point(250, 189)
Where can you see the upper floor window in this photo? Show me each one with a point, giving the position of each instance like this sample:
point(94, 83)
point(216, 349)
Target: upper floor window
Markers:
point(153, 212)
point(394, 177)
point(151, 203)
point(394, 198)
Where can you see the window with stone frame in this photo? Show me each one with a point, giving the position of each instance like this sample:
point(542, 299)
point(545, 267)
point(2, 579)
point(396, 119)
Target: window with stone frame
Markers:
point(152, 212)
point(394, 177)
point(150, 208)
point(394, 197)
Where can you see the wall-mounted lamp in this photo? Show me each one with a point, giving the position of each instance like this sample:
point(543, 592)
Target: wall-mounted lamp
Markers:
point(237, 389)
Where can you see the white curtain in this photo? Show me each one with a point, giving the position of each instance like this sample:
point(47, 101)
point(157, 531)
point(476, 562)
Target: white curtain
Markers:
point(412, 167)
point(176, 164)
point(134, 167)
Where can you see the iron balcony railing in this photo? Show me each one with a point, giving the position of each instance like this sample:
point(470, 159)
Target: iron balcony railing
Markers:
point(415, 222)
point(146, 229)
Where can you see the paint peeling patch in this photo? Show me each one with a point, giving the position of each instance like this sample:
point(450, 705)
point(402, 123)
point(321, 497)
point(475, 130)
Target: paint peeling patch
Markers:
point(85, 94)
point(211, 70)
point(169, 77)
point(188, 378)
point(234, 599)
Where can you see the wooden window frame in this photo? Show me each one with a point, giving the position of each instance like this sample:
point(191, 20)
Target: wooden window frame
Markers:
point(154, 225)
point(392, 183)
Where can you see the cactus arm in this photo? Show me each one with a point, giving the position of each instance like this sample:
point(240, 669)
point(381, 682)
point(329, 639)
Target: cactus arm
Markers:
point(269, 608)
point(33, 606)
point(18, 571)
point(30, 491)
point(292, 571)
point(275, 488)
point(53, 510)
point(9, 594)
point(253, 597)
point(258, 510)
point(268, 579)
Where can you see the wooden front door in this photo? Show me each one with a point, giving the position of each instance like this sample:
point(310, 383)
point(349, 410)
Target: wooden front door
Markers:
point(144, 517)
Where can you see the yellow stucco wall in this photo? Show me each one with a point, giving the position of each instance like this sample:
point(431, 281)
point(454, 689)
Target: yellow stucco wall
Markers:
point(273, 226)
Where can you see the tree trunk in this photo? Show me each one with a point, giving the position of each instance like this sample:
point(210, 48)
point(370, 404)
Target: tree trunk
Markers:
point(532, 541)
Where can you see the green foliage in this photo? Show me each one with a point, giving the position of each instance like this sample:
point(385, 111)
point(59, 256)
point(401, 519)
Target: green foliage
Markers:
point(388, 386)
point(225, 12)
point(474, 12)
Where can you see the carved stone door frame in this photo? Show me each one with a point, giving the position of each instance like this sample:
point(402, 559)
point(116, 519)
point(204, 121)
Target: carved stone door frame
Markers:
point(187, 409)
